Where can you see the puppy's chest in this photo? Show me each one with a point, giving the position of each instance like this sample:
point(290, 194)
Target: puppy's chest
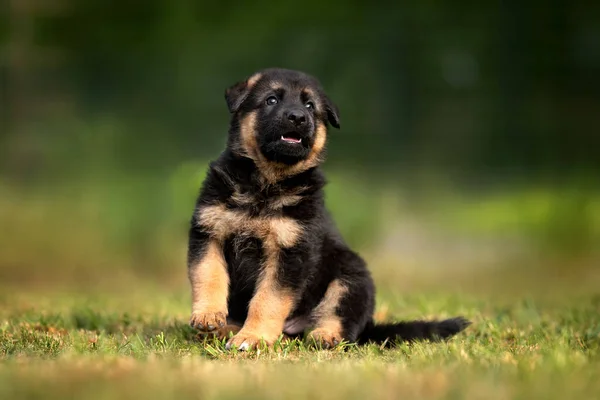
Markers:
point(264, 204)
point(246, 215)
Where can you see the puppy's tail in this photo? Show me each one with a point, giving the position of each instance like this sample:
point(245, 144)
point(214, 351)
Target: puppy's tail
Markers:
point(410, 331)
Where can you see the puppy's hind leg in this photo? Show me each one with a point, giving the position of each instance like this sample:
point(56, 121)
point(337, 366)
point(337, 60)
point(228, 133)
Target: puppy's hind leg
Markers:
point(347, 305)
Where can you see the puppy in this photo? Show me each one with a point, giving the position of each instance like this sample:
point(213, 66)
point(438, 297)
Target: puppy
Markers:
point(265, 257)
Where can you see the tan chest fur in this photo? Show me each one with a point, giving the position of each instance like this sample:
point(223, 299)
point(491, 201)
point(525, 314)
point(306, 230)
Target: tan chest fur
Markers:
point(276, 231)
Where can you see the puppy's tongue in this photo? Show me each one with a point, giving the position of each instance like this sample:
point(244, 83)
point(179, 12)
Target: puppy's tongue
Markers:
point(291, 139)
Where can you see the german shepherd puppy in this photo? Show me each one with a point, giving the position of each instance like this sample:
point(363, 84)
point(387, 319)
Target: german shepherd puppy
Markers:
point(265, 257)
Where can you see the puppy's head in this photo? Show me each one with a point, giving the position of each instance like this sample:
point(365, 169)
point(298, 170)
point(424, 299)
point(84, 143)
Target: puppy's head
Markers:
point(280, 117)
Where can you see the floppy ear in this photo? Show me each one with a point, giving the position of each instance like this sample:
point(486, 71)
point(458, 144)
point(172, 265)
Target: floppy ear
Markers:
point(235, 95)
point(333, 114)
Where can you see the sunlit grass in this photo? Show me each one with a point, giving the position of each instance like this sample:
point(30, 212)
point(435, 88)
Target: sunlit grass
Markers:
point(122, 344)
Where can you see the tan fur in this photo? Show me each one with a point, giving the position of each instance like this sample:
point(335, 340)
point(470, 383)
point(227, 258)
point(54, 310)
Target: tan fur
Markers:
point(284, 231)
point(328, 327)
point(286, 199)
point(253, 79)
point(273, 172)
point(312, 96)
point(289, 198)
point(248, 144)
point(242, 199)
point(210, 287)
point(314, 158)
point(271, 305)
point(224, 332)
point(276, 86)
point(222, 222)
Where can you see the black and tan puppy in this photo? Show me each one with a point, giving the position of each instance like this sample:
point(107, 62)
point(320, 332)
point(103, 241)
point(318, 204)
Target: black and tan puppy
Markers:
point(265, 257)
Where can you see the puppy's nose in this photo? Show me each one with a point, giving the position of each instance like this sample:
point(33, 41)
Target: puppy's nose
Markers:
point(296, 117)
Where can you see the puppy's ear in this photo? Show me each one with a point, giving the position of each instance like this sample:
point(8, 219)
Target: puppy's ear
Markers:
point(333, 113)
point(236, 95)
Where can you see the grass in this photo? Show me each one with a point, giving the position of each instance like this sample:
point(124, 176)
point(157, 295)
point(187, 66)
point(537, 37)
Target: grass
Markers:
point(134, 343)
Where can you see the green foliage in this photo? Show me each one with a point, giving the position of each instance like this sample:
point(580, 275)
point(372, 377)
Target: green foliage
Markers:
point(419, 85)
point(561, 220)
point(353, 204)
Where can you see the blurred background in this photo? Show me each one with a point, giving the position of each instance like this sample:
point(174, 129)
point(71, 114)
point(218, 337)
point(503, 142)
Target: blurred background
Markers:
point(469, 141)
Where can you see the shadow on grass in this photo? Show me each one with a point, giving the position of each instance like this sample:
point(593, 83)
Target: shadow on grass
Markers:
point(109, 323)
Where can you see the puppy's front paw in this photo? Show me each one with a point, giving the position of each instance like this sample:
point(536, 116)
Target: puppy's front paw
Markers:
point(245, 340)
point(325, 338)
point(208, 321)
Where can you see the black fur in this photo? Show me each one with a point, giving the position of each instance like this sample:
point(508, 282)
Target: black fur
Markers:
point(321, 255)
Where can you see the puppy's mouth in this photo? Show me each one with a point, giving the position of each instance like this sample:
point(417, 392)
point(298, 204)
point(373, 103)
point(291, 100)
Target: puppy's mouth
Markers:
point(292, 138)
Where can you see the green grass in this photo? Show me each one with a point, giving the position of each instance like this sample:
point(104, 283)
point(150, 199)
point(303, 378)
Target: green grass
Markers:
point(136, 343)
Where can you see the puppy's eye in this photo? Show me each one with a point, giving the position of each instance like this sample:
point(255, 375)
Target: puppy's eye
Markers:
point(309, 105)
point(271, 100)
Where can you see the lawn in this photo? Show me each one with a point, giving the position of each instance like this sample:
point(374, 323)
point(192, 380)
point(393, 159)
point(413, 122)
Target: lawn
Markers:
point(134, 341)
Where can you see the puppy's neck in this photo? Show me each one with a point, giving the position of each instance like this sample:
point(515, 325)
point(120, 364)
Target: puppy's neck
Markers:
point(244, 172)
point(263, 173)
